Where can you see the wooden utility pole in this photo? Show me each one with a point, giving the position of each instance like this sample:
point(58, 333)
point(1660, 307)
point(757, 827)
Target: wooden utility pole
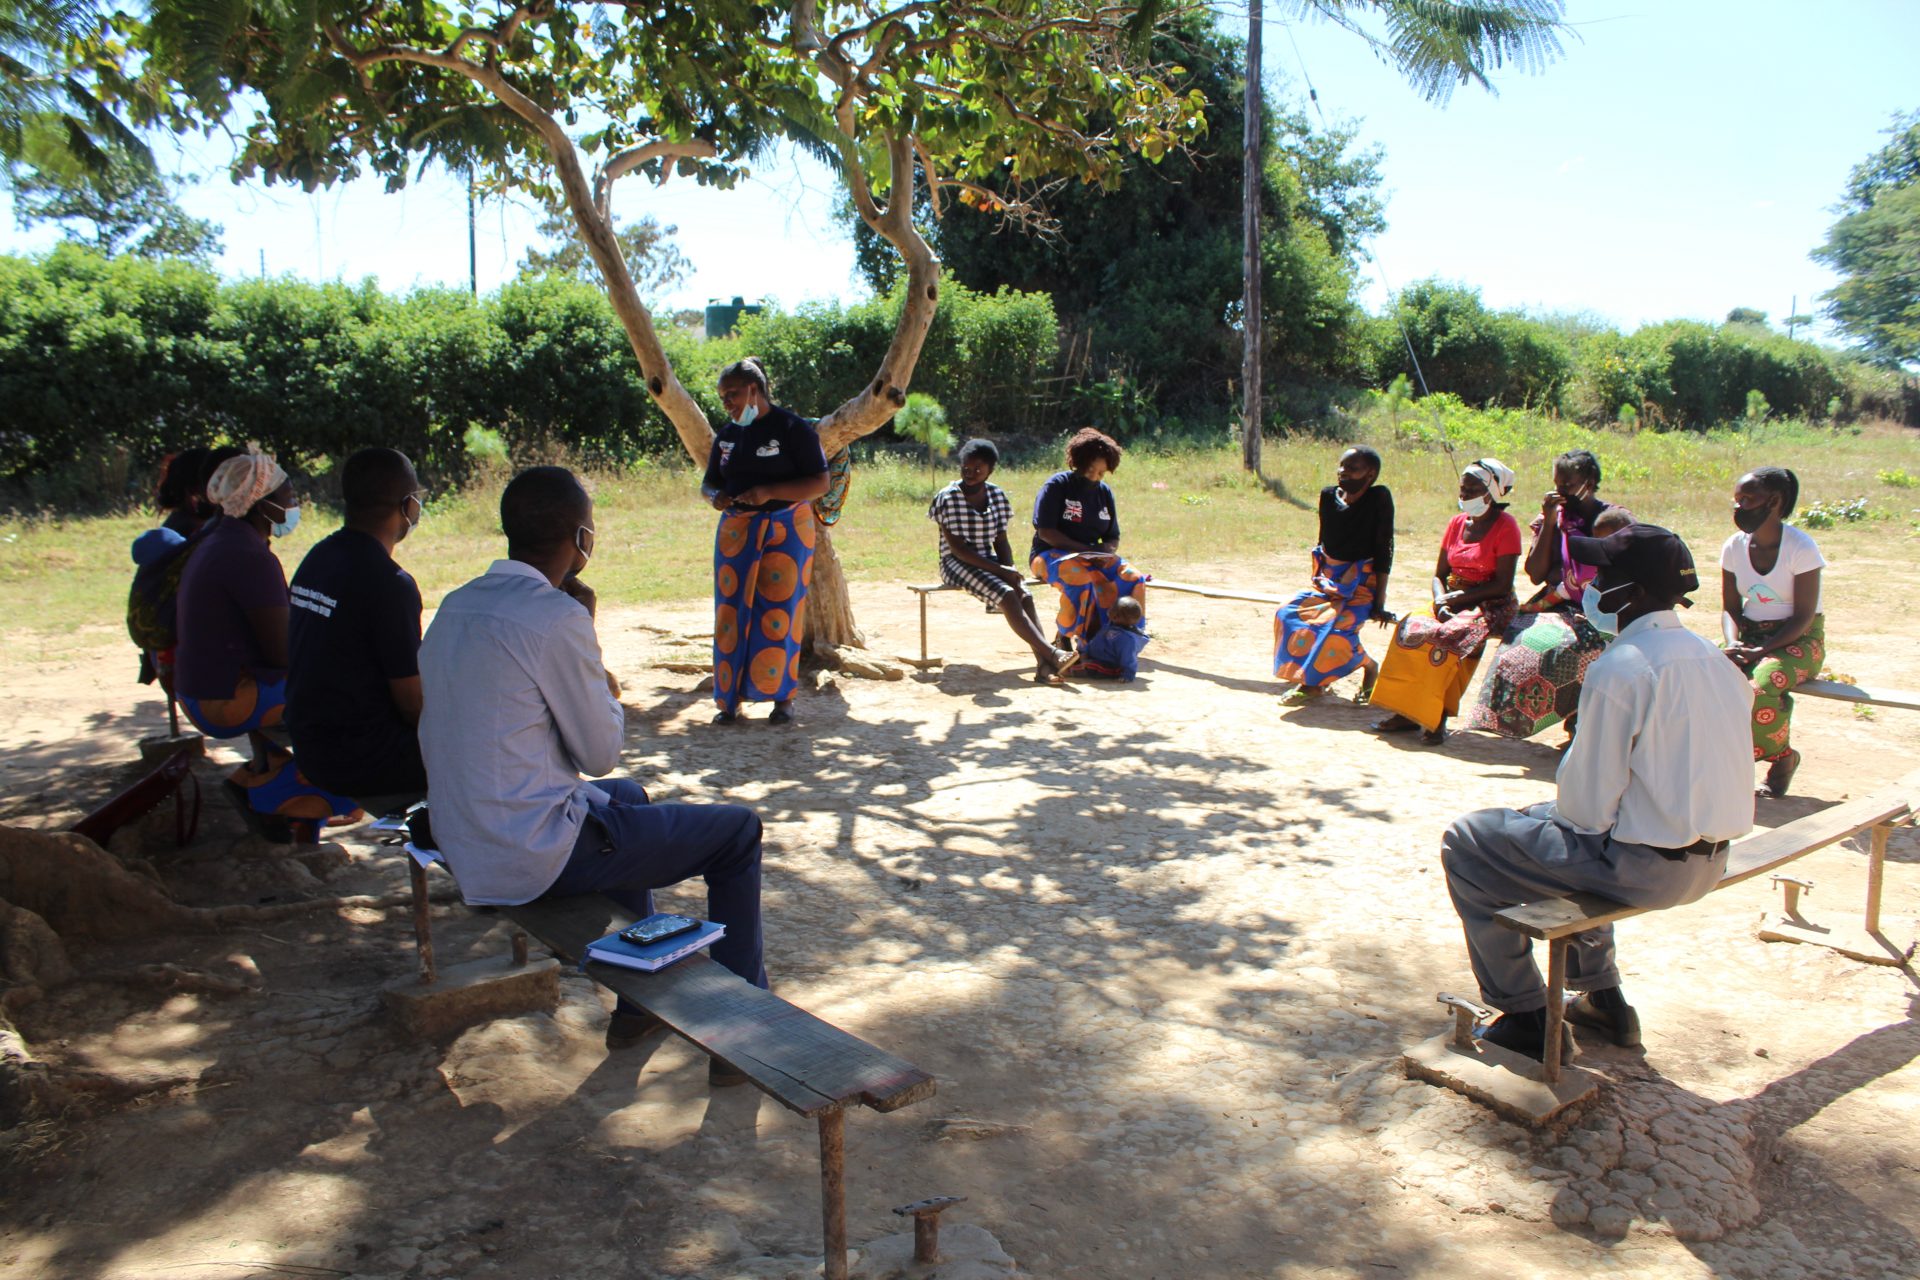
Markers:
point(473, 243)
point(1250, 254)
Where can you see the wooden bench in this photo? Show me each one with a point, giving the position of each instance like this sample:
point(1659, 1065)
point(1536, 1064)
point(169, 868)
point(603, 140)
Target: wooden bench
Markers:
point(1153, 584)
point(1855, 693)
point(1556, 920)
point(804, 1063)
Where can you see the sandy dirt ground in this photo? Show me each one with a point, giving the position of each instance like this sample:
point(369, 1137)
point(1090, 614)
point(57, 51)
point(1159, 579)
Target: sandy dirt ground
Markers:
point(1162, 944)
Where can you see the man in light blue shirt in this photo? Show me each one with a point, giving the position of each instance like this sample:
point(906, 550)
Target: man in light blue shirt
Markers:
point(1656, 784)
point(519, 706)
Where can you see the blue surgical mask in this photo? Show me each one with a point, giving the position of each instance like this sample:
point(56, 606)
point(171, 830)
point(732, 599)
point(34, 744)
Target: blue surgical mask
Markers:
point(747, 416)
point(1607, 624)
point(289, 521)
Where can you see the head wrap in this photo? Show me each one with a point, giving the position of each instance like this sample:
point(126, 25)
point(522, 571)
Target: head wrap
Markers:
point(238, 483)
point(1493, 473)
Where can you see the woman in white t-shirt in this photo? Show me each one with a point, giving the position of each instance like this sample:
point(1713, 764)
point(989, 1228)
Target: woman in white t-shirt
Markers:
point(1770, 588)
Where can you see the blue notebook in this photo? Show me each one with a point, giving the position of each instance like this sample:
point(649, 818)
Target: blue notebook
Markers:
point(654, 956)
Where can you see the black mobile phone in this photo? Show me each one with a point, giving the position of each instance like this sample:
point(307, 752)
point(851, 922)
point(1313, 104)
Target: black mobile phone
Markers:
point(657, 929)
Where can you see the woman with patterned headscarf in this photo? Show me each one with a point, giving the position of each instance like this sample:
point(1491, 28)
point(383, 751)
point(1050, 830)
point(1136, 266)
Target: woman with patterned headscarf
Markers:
point(230, 669)
point(1436, 648)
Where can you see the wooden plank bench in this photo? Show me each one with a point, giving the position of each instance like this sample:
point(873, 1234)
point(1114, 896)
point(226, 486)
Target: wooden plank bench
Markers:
point(804, 1063)
point(1556, 920)
point(1842, 692)
point(1153, 584)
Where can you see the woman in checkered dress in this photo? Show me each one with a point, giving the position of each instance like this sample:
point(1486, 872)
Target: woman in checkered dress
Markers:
point(975, 556)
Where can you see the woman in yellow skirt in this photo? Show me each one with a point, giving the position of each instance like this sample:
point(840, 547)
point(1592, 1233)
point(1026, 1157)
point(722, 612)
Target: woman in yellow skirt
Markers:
point(1436, 648)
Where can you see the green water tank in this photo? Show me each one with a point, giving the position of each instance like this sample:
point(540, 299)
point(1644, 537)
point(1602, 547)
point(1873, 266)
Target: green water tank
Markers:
point(724, 317)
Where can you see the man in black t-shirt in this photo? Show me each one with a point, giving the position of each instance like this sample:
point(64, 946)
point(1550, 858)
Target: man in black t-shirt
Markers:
point(353, 679)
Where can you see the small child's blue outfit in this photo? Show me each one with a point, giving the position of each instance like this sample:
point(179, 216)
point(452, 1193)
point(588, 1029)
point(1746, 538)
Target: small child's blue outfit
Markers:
point(1114, 652)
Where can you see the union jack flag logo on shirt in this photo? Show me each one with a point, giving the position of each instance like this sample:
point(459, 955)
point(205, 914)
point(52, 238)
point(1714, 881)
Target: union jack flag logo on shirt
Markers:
point(1073, 511)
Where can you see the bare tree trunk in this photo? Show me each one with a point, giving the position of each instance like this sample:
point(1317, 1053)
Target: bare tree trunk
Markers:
point(830, 610)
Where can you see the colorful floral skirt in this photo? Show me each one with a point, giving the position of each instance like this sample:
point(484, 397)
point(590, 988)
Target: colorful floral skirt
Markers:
point(1087, 590)
point(762, 565)
point(1316, 635)
point(1427, 668)
point(1775, 678)
point(1535, 681)
point(280, 790)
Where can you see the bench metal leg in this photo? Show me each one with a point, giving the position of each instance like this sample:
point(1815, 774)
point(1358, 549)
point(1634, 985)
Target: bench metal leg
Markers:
point(833, 1188)
point(422, 921)
point(1556, 1008)
point(1870, 944)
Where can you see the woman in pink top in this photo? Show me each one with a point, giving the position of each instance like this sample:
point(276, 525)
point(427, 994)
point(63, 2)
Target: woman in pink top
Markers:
point(1436, 649)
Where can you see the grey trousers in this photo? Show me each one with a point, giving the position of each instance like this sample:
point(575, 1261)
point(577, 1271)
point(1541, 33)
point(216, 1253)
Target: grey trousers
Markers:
point(1499, 858)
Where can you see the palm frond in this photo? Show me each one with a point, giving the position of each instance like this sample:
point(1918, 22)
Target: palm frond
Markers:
point(1439, 45)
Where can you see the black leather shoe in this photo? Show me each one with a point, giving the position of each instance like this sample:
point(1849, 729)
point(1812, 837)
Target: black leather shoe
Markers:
point(1526, 1034)
point(722, 1076)
point(625, 1030)
point(1619, 1023)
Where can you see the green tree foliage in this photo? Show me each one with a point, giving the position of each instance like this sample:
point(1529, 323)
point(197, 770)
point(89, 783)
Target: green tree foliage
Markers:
point(58, 60)
point(564, 99)
point(1149, 272)
point(123, 208)
point(1875, 246)
point(653, 261)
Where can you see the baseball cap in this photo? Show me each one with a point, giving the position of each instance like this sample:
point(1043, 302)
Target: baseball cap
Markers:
point(1655, 558)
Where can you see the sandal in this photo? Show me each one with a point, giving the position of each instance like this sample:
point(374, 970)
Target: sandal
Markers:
point(1432, 737)
point(781, 714)
point(1395, 723)
point(1779, 775)
point(1054, 669)
point(726, 717)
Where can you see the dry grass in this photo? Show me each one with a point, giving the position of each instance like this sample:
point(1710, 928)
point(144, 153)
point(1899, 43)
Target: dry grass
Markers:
point(63, 582)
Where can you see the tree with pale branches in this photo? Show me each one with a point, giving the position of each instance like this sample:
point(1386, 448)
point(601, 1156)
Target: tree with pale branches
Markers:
point(983, 103)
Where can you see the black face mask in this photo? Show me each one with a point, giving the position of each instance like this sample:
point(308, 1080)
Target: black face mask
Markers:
point(1749, 519)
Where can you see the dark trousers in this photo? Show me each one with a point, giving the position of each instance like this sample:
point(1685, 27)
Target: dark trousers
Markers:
point(1499, 858)
point(631, 846)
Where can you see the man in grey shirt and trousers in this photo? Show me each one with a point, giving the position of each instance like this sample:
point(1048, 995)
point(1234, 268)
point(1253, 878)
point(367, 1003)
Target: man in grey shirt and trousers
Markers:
point(1657, 782)
point(518, 706)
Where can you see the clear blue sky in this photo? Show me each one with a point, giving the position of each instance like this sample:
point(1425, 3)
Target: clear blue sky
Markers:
point(1679, 160)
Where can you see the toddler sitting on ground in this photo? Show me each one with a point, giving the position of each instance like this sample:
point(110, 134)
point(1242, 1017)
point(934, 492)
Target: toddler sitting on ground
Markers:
point(1114, 651)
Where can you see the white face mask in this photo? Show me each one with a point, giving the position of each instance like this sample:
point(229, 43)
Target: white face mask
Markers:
point(1607, 624)
point(1475, 506)
point(747, 416)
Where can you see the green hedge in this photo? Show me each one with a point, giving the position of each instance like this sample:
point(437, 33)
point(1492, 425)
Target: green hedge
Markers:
point(106, 364)
point(1679, 374)
point(1487, 358)
point(983, 355)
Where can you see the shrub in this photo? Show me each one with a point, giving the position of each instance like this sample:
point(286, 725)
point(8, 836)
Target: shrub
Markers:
point(1825, 515)
point(1484, 357)
point(982, 356)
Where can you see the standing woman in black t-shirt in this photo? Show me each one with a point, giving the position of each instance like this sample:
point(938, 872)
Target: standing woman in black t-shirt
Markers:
point(1316, 635)
point(1076, 540)
point(763, 473)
